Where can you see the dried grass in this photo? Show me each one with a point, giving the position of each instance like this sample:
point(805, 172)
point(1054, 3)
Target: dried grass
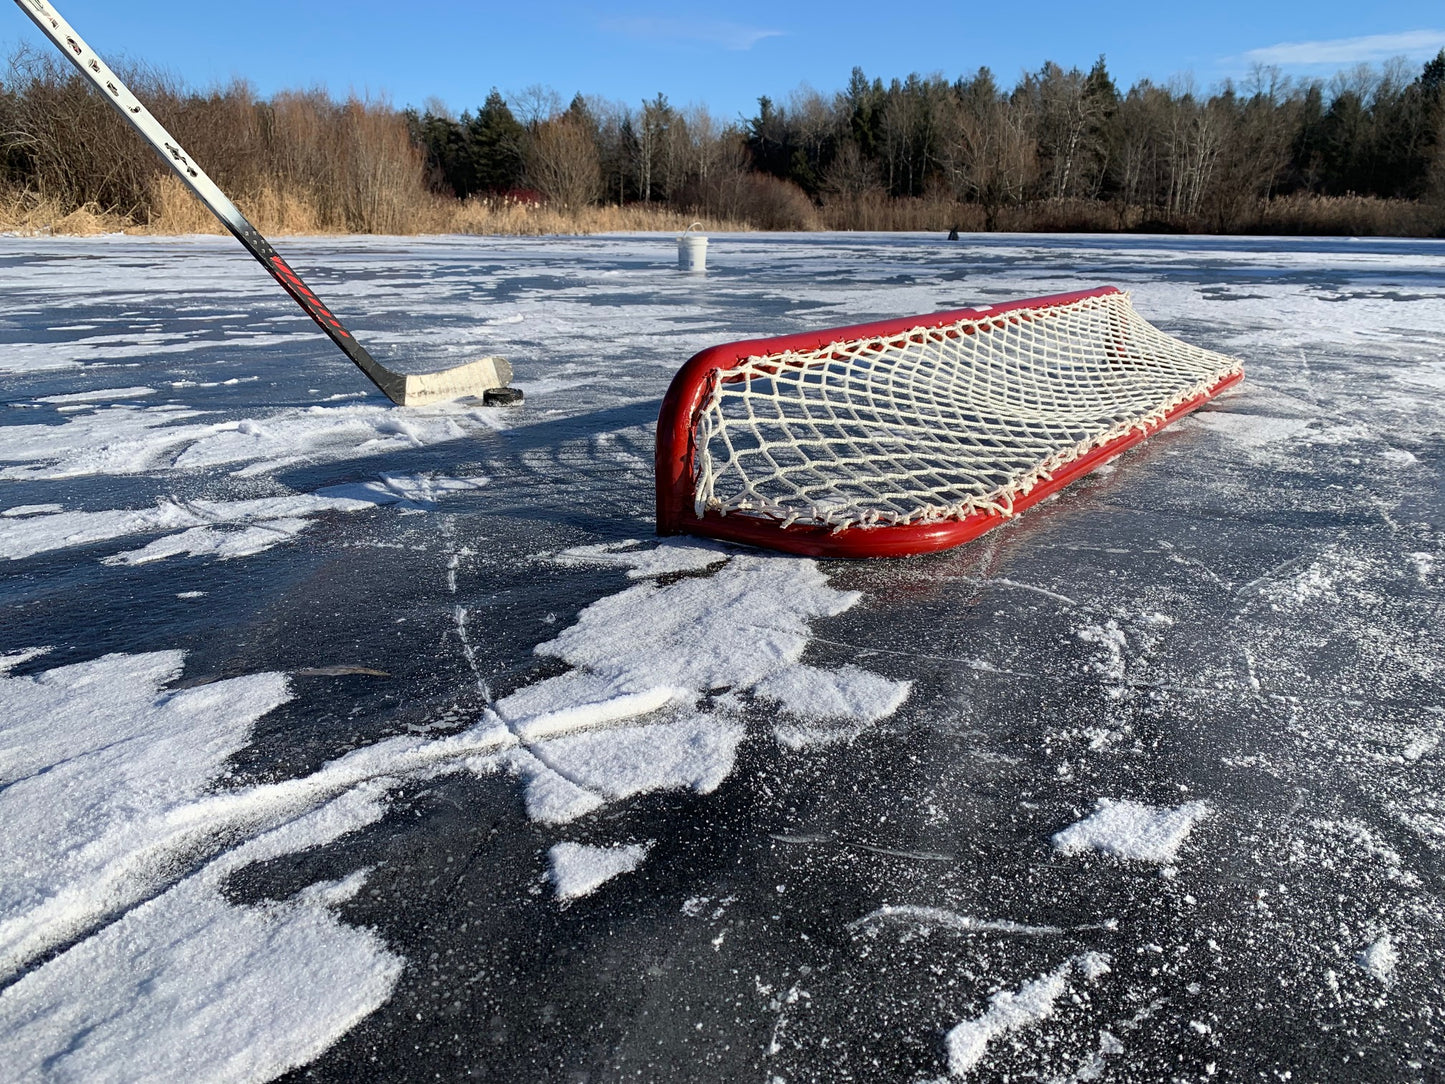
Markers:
point(278, 211)
point(27, 214)
point(1348, 216)
point(513, 217)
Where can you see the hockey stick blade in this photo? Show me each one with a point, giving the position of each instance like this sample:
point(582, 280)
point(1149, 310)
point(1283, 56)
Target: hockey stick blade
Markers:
point(475, 378)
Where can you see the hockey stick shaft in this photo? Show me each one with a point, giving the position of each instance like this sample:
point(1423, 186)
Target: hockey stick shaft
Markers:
point(400, 388)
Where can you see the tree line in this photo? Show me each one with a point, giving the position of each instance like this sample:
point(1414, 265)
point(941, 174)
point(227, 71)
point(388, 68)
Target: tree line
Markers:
point(1362, 152)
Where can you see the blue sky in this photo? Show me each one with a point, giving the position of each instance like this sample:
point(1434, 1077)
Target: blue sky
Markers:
point(723, 57)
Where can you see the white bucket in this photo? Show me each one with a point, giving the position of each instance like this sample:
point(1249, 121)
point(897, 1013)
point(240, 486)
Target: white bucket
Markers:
point(692, 250)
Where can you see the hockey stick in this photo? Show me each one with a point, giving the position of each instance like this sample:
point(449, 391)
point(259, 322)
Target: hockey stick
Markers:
point(405, 389)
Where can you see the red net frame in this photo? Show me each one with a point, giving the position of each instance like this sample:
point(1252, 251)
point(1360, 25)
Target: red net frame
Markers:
point(697, 381)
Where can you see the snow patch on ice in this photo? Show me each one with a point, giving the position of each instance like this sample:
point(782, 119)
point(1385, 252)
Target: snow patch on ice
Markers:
point(577, 869)
point(1424, 564)
point(1097, 1063)
point(109, 794)
point(424, 490)
point(1252, 431)
point(16, 658)
point(1323, 581)
point(191, 987)
point(1379, 959)
point(829, 706)
point(224, 545)
point(123, 440)
point(1421, 745)
point(92, 754)
point(1358, 835)
point(668, 556)
point(222, 529)
point(1337, 435)
point(1111, 666)
point(99, 395)
point(737, 627)
point(608, 706)
point(110, 348)
point(1132, 831)
point(106, 779)
point(1015, 1010)
point(627, 718)
point(572, 775)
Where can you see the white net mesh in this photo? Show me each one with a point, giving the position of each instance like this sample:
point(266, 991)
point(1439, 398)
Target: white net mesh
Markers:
point(937, 423)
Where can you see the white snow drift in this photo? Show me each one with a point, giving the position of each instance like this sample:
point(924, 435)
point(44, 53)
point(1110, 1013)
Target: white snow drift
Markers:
point(1133, 831)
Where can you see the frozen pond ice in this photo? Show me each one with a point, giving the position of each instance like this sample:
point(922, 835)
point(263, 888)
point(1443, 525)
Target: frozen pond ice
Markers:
point(391, 744)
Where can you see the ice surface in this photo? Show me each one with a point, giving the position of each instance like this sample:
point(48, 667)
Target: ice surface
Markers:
point(850, 775)
point(133, 762)
point(942, 918)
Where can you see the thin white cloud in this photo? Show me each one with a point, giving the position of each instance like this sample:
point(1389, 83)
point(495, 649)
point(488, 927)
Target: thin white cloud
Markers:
point(1409, 43)
point(733, 36)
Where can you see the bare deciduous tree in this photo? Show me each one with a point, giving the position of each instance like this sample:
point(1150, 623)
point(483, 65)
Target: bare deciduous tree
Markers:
point(851, 175)
point(988, 151)
point(563, 163)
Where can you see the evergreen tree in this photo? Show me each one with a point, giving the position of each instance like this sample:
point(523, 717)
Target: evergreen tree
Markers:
point(864, 104)
point(1101, 100)
point(580, 113)
point(767, 140)
point(1425, 156)
point(443, 141)
point(1309, 147)
point(495, 141)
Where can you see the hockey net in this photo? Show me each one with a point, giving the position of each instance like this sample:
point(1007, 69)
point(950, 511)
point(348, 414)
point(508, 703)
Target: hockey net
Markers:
point(915, 435)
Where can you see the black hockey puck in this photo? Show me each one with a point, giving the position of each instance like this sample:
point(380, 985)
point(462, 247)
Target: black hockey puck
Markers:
point(502, 396)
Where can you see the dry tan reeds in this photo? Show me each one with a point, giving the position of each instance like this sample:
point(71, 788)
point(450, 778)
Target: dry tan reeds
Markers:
point(27, 213)
point(1349, 216)
point(174, 210)
point(277, 213)
point(509, 216)
point(280, 212)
